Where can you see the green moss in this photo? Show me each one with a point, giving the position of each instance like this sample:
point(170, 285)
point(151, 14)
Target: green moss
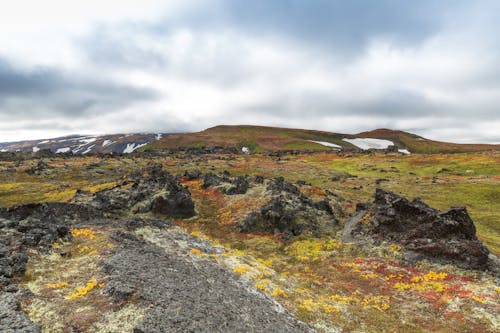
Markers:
point(305, 145)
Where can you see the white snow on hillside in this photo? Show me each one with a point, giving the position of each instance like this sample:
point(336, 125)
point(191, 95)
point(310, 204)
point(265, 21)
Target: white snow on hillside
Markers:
point(327, 144)
point(42, 142)
point(35, 149)
point(132, 146)
point(3, 150)
point(106, 143)
point(87, 140)
point(63, 150)
point(89, 149)
point(158, 136)
point(404, 151)
point(368, 143)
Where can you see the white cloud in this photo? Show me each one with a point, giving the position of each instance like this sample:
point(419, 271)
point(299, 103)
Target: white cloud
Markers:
point(444, 86)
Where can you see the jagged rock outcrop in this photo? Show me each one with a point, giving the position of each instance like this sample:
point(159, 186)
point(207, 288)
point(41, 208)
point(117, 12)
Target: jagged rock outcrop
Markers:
point(291, 213)
point(240, 186)
point(424, 232)
point(13, 260)
point(39, 168)
point(226, 183)
point(151, 190)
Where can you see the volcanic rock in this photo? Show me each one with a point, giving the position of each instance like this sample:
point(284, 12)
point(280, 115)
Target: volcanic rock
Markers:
point(292, 214)
point(149, 190)
point(424, 232)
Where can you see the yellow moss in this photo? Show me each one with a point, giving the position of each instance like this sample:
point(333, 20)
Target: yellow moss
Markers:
point(369, 276)
point(198, 234)
point(57, 285)
point(81, 292)
point(478, 299)
point(310, 249)
point(427, 282)
point(99, 187)
point(395, 248)
point(198, 253)
point(83, 232)
point(429, 276)
point(402, 286)
point(241, 269)
point(263, 285)
point(267, 263)
point(279, 292)
point(312, 306)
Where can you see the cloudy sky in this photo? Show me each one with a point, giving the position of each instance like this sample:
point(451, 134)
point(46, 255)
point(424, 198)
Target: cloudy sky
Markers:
point(109, 66)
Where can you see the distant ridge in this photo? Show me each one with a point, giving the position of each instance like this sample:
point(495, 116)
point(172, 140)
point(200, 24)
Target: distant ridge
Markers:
point(263, 138)
point(85, 144)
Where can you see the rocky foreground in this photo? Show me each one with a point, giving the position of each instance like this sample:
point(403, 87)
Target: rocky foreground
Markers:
point(143, 273)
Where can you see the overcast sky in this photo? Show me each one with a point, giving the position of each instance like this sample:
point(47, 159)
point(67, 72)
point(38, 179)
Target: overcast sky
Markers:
point(110, 66)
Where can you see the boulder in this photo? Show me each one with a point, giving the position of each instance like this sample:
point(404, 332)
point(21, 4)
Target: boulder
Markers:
point(292, 215)
point(424, 232)
point(175, 204)
point(150, 190)
point(240, 186)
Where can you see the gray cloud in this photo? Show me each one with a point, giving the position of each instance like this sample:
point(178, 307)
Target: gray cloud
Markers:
point(43, 92)
point(328, 64)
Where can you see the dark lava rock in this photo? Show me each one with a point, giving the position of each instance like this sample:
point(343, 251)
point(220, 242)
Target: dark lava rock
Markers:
point(424, 232)
point(175, 204)
point(258, 180)
point(292, 214)
point(136, 223)
point(152, 190)
point(227, 184)
point(187, 296)
point(12, 319)
point(40, 225)
point(191, 175)
point(278, 185)
point(240, 186)
point(38, 169)
point(213, 180)
point(52, 211)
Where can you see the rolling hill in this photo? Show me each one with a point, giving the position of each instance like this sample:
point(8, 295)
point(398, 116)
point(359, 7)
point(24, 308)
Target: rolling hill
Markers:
point(263, 139)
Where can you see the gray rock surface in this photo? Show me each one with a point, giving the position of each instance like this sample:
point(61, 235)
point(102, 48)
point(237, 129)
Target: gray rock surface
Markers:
point(187, 294)
point(12, 320)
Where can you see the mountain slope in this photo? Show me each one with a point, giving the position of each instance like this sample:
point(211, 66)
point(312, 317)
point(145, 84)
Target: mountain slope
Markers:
point(418, 144)
point(78, 144)
point(260, 139)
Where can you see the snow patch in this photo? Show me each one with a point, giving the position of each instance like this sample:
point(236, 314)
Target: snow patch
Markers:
point(404, 151)
point(132, 146)
point(106, 143)
point(159, 136)
point(245, 150)
point(78, 148)
point(63, 150)
point(36, 149)
point(89, 149)
point(87, 140)
point(327, 144)
point(368, 143)
point(3, 150)
point(42, 142)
